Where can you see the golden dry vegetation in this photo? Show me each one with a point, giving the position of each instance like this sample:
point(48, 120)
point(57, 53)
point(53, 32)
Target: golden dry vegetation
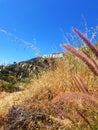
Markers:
point(62, 99)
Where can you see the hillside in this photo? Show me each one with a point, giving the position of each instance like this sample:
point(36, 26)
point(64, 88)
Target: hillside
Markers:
point(63, 95)
point(23, 71)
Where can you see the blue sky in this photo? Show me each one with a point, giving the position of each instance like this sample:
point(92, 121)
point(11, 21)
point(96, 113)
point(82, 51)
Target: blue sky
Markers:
point(29, 28)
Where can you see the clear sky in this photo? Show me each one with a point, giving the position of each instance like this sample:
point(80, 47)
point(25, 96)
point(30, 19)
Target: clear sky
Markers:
point(29, 28)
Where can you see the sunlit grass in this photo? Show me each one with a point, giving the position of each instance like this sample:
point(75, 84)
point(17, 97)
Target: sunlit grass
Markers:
point(65, 98)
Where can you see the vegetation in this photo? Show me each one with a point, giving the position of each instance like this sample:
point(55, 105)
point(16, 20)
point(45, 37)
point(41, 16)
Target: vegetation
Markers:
point(19, 74)
point(64, 98)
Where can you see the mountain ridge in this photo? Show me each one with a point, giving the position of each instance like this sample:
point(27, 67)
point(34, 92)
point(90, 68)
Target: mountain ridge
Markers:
point(18, 72)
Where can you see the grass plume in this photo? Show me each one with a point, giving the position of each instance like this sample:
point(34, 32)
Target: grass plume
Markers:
point(82, 56)
point(86, 41)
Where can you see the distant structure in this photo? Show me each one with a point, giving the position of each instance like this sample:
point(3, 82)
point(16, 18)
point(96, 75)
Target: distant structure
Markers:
point(54, 55)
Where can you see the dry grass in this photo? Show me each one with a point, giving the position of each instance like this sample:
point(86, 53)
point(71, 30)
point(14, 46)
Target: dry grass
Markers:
point(61, 99)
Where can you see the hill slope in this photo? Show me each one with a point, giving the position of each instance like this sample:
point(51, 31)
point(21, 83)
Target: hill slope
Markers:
point(64, 98)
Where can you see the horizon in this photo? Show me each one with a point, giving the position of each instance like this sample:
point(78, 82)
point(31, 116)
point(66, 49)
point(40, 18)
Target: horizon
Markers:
point(39, 27)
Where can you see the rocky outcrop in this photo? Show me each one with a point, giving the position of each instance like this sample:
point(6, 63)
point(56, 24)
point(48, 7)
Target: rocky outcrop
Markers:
point(19, 71)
